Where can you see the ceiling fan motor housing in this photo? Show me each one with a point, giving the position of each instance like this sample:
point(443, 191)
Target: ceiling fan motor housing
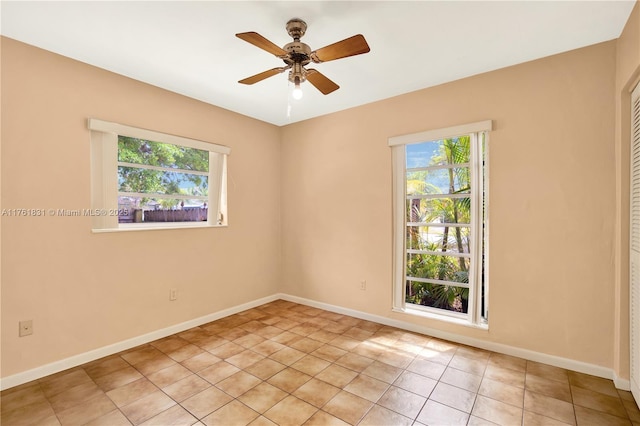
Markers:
point(298, 53)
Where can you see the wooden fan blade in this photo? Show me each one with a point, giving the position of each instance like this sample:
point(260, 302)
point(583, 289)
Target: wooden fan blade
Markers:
point(259, 77)
point(261, 42)
point(351, 46)
point(321, 82)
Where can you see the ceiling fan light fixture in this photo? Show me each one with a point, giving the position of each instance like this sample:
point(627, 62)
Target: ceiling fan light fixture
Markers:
point(297, 90)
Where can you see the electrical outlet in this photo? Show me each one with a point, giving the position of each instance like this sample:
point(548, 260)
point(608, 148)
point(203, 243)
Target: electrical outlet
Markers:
point(173, 294)
point(363, 285)
point(25, 328)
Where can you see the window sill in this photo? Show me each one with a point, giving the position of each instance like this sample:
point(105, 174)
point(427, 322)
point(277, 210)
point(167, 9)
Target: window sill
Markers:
point(144, 227)
point(440, 317)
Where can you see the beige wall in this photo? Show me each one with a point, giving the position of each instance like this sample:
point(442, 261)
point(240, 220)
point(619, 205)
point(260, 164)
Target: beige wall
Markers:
point(552, 204)
point(83, 290)
point(627, 73)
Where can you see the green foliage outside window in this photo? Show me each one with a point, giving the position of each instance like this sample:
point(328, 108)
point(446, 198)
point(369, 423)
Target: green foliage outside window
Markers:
point(440, 240)
point(140, 180)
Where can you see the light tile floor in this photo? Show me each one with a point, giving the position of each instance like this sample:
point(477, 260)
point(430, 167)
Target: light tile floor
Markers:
point(289, 364)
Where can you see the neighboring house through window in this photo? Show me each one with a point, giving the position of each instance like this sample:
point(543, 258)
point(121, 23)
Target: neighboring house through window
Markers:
point(440, 223)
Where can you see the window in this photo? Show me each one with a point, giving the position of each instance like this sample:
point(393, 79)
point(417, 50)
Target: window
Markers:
point(146, 180)
point(440, 223)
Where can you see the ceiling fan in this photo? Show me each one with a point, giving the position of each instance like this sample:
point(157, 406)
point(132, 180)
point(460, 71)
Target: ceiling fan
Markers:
point(296, 55)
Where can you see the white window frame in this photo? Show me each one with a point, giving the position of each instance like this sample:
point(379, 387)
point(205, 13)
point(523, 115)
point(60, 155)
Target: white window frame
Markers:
point(474, 317)
point(104, 177)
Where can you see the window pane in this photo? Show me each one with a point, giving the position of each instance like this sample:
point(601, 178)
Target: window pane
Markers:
point(438, 296)
point(151, 209)
point(439, 181)
point(438, 267)
point(132, 179)
point(439, 238)
point(140, 151)
point(446, 151)
point(439, 210)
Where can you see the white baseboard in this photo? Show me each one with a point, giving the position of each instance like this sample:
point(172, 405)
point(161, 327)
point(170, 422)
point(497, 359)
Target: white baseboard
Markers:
point(569, 364)
point(63, 364)
point(622, 384)
point(45, 370)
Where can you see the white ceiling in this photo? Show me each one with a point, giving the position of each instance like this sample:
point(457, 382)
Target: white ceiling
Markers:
point(189, 47)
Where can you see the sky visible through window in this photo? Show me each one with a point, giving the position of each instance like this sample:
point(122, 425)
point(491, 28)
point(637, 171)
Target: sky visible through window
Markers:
point(419, 154)
point(426, 154)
